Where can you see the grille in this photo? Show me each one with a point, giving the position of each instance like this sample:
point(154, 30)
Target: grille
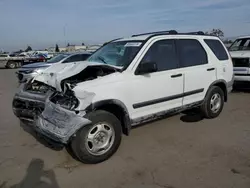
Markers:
point(241, 62)
point(29, 105)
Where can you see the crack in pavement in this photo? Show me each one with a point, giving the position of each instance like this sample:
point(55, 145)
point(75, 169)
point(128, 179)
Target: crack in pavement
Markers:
point(158, 184)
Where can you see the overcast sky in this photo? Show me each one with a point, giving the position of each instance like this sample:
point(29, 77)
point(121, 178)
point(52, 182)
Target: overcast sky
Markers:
point(43, 23)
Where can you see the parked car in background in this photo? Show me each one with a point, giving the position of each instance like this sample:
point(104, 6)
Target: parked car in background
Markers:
point(29, 71)
point(88, 105)
point(240, 53)
point(4, 55)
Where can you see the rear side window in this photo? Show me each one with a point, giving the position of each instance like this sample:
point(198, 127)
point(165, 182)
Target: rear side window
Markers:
point(191, 53)
point(217, 48)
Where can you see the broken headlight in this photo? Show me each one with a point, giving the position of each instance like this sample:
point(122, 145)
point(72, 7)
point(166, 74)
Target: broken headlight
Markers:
point(67, 101)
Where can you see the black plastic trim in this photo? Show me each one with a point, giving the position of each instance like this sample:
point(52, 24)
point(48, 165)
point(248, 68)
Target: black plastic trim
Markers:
point(211, 69)
point(241, 74)
point(99, 104)
point(165, 99)
point(176, 75)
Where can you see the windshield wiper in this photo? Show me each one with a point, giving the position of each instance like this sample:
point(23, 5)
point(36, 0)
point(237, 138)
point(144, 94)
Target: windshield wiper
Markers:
point(102, 59)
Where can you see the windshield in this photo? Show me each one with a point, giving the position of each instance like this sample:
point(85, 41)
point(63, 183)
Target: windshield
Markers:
point(240, 44)
point(57, 58)
point(118, 54)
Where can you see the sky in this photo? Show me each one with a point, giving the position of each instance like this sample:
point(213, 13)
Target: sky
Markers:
point(44, 23)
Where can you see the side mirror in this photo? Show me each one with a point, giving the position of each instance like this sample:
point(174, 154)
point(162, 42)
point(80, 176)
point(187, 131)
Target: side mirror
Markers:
point(147, 67)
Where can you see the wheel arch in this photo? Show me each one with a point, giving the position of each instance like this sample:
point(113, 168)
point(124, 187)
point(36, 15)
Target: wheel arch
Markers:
point(221, 84)
point(115, 107)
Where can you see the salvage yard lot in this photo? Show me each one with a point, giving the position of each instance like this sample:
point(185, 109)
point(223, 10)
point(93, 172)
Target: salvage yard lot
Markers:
point(182, 151)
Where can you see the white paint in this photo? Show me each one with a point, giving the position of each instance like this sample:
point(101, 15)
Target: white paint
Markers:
point(131, 89)
point(133, 44)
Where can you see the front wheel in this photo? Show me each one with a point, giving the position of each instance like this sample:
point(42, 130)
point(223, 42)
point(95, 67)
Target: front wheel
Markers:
point(98, 141)
point(213, 103)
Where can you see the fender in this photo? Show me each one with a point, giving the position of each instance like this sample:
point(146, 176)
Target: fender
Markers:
point(219, 82)
point(126, 119)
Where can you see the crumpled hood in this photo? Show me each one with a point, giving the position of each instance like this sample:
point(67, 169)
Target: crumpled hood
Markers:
point(239, 54)
point(56, 73)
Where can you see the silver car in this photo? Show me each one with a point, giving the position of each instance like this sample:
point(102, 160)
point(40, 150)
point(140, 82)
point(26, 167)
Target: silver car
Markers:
point(29, 71)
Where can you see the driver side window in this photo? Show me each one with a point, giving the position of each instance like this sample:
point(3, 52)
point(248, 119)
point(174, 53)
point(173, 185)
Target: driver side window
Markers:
point(163, 53)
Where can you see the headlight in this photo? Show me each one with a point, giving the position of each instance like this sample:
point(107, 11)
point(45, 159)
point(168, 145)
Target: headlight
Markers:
point(69, 102)
point(40, 70)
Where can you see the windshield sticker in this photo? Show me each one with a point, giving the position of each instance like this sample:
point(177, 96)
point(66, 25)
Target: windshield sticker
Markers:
point(133, 44)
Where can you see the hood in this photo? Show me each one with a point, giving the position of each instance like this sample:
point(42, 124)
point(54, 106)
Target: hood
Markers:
point(36, 65)
point(53, 75)
point(240, 54)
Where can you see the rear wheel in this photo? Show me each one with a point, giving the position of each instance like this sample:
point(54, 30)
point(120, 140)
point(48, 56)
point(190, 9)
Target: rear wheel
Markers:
point(11, 64)
point(213, 103)
point(98, 141)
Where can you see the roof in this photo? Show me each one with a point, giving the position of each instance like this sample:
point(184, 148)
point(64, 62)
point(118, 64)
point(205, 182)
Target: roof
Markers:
point(147, 36)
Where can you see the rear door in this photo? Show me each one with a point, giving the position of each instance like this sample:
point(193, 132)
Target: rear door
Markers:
point(222, 58)
point(198, 70)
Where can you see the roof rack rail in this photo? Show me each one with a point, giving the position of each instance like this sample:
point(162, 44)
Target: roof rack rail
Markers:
point(194, 33)
point(157, 32)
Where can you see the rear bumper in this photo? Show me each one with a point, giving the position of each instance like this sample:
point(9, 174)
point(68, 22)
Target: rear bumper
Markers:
point(242, 77)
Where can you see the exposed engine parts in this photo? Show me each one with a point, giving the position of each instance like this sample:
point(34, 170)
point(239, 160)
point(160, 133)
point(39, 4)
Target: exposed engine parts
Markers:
point(90, 73)
point(37, 87)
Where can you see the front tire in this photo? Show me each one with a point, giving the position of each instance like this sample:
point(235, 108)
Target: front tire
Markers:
point(98, 141)
point(213, 103)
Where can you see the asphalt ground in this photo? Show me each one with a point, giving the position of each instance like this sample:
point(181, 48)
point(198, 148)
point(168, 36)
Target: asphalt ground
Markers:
point(183, 151)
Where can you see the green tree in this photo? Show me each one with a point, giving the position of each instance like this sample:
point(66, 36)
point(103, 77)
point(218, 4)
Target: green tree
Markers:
point(216, 32)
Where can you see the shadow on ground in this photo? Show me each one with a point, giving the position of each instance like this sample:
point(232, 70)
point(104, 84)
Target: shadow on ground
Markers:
point(241, 87)
point(36, 176)
point(191, 116)
point(27, 127)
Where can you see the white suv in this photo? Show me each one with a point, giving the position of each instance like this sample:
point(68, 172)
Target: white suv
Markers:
point(127, 82)
point(240, 53)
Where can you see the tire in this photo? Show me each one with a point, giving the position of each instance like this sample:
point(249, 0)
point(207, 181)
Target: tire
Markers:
point(101, 120)
point(11, 64)
point(211, 109)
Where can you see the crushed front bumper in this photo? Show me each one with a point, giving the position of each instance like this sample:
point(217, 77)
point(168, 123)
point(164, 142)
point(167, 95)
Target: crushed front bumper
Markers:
point(58, 123)
point(26, 105)
point(50, 120)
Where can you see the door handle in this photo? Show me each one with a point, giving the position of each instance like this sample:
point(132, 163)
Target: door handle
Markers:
point(211, 69)
point(176, 75)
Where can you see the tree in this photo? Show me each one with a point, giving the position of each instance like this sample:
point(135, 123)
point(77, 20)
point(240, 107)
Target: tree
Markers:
point(216, 32)
point(57, 48)
point(28, 49)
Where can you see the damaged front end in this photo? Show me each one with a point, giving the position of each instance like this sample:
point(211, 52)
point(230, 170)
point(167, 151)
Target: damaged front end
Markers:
point(60, 120)
point(52, 107)
point(29, 100)
point(58, 123)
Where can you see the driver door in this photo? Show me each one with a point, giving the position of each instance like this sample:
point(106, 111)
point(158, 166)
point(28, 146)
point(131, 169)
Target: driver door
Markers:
point(158, 91)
